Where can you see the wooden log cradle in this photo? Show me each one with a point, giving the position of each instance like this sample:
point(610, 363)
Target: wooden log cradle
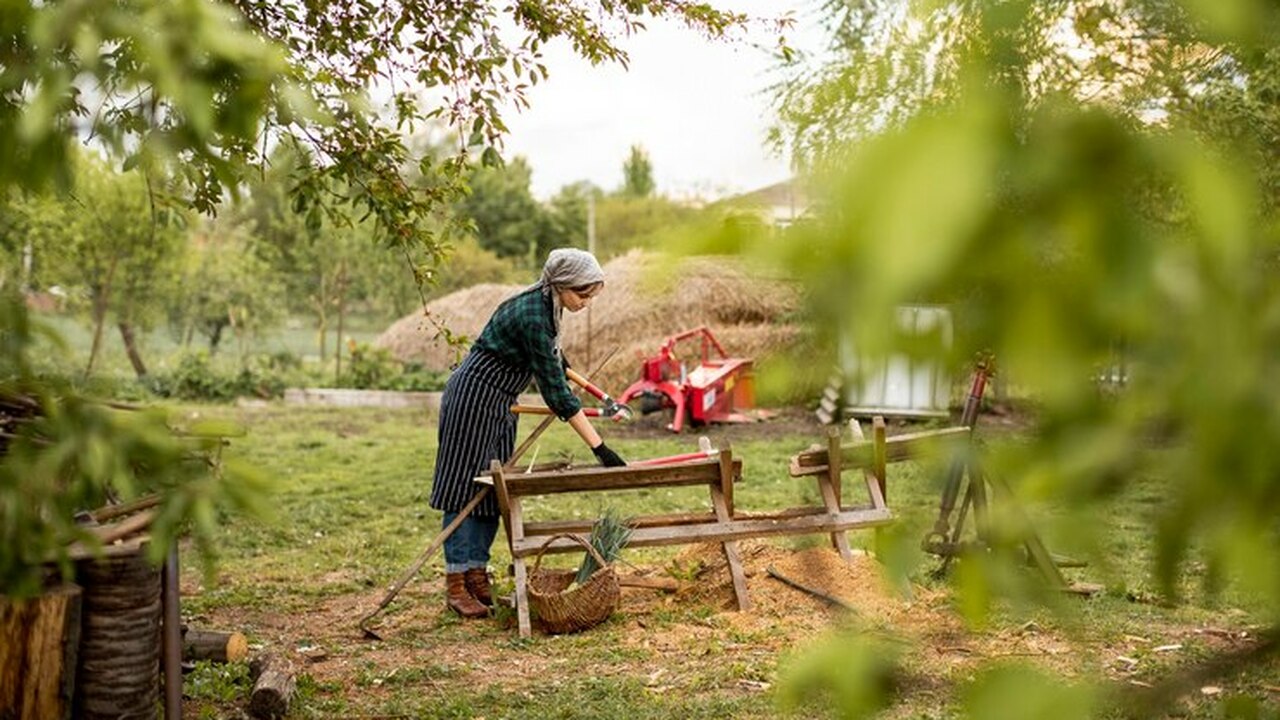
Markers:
point(117, 674)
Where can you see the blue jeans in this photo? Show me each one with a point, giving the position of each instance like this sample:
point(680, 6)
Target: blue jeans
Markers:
point(468, 546)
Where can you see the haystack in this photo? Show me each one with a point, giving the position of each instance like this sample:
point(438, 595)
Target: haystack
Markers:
point(416, 339)
point(647, 298)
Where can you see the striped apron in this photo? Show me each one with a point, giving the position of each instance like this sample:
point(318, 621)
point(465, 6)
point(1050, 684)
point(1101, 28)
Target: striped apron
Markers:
point(476, 427)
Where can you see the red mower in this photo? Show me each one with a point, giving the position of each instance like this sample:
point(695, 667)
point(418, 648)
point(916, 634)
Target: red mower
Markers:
point(715, 390)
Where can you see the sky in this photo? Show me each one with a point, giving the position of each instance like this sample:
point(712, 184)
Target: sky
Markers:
point(698, 107)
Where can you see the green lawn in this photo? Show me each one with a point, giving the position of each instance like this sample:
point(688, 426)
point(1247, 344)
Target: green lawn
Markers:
point(350, 497)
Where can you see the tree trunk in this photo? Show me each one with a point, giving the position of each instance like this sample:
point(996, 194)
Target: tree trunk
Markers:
point(131, 349)
point(320, 302)
point(39, 640)
point(215, 337)
point(99, 319)
point(101, 296)
point(342, 316)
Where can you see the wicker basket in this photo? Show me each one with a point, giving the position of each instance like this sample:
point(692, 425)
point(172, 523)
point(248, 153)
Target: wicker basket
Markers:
point(564, 610)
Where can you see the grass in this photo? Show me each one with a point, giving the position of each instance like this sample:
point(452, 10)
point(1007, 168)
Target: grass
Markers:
point(350, 495)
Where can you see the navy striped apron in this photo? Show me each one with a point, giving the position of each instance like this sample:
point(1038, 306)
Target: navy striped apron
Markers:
point(476, 427)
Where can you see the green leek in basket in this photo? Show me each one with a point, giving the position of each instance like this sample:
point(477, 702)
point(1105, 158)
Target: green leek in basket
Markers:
point(609, 535)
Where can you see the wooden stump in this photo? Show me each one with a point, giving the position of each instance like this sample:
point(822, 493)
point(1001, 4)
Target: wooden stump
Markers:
point(273, 688)
point(118, 677)
point(39, 640)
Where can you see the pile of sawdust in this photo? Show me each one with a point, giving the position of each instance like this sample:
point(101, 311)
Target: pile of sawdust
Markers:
point(647, 298)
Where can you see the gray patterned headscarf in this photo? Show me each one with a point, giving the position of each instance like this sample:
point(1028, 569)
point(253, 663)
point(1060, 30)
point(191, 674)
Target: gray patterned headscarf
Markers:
point(567, 268)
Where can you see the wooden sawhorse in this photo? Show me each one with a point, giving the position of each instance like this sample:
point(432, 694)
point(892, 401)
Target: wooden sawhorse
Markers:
point(717, 473)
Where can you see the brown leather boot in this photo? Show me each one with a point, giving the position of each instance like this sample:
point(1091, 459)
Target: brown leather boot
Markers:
point(459, 600)
point(477, 580)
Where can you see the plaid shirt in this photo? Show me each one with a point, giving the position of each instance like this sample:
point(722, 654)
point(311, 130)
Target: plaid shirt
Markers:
point(522, 333)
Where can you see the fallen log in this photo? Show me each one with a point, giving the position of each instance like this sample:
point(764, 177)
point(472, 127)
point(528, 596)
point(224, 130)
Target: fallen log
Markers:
point(273, 687)
point(213, 645)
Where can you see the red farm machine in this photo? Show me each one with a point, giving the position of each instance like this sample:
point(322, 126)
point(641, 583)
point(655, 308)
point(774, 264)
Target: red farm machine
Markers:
point(716, 389)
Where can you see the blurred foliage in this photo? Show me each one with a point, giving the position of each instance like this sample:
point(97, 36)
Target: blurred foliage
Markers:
point(64, 453)
point(1077, 182)
point(637, 174)
point(224, 286)
point(501, 210)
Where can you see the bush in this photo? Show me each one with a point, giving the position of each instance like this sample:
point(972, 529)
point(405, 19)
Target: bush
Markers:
point(195, 378)
point(371, 368)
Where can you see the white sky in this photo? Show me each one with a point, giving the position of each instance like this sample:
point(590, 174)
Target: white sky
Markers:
point(699, 107)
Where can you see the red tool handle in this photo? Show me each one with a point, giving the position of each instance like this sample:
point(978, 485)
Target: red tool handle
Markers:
point(587, 385)
point(673, 459)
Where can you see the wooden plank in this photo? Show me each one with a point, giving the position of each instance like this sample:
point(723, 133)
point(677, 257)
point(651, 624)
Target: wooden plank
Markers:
point(829, 487)
point(897, 449)
point(696, 472)
point(555, 527)
point(738, 529)
point(544, 528)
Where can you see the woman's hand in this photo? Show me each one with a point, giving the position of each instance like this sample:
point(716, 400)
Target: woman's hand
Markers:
point(607, 456)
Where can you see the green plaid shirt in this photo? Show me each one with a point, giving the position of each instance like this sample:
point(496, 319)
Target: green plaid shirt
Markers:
point(522, 333)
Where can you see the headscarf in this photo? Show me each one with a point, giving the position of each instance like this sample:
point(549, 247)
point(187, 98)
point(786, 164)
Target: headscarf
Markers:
point(567, 267)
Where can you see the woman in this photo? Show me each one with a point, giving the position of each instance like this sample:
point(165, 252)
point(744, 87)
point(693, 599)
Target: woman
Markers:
point(520, 342)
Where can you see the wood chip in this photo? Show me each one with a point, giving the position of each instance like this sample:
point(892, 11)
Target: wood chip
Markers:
point(1210, 690)
point(1167, 648)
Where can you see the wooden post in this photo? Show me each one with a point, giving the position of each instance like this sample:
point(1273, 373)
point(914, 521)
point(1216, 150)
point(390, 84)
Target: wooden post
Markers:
point(39, 641)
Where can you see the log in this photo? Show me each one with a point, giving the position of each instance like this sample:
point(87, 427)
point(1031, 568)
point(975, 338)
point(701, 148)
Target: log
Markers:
point(213, 645)
point(273, 689)
point(39, 642)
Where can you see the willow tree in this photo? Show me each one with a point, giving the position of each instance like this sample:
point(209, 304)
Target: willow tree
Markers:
point(1066, 175)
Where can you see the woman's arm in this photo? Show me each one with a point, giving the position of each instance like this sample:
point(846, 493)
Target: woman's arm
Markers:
point(585, 430)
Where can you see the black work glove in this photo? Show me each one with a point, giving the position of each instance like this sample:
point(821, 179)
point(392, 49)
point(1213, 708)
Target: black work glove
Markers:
point(607, 457)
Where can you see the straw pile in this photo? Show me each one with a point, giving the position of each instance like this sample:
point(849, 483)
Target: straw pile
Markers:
point(415, 339)
point(647, 298)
